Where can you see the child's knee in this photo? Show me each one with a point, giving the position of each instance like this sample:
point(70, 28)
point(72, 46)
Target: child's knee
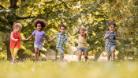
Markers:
point(36, 52)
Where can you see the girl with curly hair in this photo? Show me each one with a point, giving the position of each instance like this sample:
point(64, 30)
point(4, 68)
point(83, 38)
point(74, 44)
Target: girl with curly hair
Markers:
point(39, 36)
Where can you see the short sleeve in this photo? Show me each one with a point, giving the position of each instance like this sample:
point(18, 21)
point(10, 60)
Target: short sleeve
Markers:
point(33, 33)
point(44, 35)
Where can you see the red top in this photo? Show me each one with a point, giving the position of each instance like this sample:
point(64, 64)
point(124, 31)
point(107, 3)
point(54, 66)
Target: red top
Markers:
point(15, 44)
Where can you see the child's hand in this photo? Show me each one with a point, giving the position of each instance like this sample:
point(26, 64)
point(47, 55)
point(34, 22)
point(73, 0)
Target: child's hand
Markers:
point(15, 40)
point(25, 39)
point(52, 39)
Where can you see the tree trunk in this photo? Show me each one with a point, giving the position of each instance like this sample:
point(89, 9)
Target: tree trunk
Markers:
point(13, 3)
point(7, 42)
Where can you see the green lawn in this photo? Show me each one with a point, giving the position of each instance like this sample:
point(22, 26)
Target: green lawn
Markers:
point(51, 69)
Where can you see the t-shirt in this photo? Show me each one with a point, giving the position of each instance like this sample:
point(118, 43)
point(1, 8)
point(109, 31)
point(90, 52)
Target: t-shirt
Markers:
point(82, 42)
point(39, 35)
point(110, 38)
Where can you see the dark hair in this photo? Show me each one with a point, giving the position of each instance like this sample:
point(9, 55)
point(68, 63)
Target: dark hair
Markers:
point(111, 23)
point(39, 21)
point(62, 25)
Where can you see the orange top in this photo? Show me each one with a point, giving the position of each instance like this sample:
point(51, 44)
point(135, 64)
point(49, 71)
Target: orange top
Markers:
point(15, 44)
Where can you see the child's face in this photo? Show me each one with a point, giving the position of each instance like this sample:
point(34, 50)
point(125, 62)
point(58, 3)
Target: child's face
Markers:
point(62, 29)
point(39, 27)
point(112, 28)
point(16, 28)
point(82, 31)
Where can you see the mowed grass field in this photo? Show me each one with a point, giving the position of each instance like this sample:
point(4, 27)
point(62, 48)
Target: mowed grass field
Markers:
point(50, 69)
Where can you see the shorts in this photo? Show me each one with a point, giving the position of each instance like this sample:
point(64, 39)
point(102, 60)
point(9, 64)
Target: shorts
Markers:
point(110, 48)
point(39, 46)
point(81, 49)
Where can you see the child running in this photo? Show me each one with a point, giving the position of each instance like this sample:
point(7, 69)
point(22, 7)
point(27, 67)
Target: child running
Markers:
point(82, 44)
point(61, 41)
point(39, 36)
point(110, 41)
point(15, 40)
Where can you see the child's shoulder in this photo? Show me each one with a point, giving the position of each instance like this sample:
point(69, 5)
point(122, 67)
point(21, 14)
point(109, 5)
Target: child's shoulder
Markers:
point(34, 30)
point(43, 31)
point(58, 33)
point(15, 32)
point(11, 31)
point(107, 32)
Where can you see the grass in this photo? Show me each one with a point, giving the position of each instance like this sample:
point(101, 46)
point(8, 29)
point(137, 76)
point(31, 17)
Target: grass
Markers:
point(51, 69)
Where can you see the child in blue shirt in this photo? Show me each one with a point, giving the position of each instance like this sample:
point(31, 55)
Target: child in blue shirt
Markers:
point(110, 41)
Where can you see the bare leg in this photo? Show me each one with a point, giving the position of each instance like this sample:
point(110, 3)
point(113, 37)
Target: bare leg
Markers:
point(109, 57)
point(14, 53)
point(86, 56)
point(61, 56)
point(46, 56)
point(56, 55)
point(113, 55)
point(79, 56)
point(37, 54)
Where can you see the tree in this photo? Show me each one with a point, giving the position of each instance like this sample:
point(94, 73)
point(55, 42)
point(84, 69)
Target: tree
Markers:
point(93, 14)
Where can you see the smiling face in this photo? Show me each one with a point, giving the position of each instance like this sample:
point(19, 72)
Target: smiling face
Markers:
point(62, 29)
point(82, 32)
point(17, 27)
point(111, 28)
point(39, 27)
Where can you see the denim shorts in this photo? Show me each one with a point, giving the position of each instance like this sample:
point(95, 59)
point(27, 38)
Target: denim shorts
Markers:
point(110, 48)
point(81, 49)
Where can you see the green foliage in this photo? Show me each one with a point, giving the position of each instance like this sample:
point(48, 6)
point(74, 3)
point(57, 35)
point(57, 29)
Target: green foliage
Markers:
point(93, 14)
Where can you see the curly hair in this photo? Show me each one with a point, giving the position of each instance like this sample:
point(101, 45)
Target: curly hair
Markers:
point(39, 21)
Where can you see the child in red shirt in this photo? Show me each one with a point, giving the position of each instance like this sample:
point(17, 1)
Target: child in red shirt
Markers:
point(15, 40)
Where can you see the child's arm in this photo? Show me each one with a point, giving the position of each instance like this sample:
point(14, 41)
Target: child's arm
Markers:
point(117, 36)
point(46, 38)
point(23, 37)
point(11, 36)
point(66, 39)
point(33, 34)
point(106, 35)
point(52, 38)
point(29, 37)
